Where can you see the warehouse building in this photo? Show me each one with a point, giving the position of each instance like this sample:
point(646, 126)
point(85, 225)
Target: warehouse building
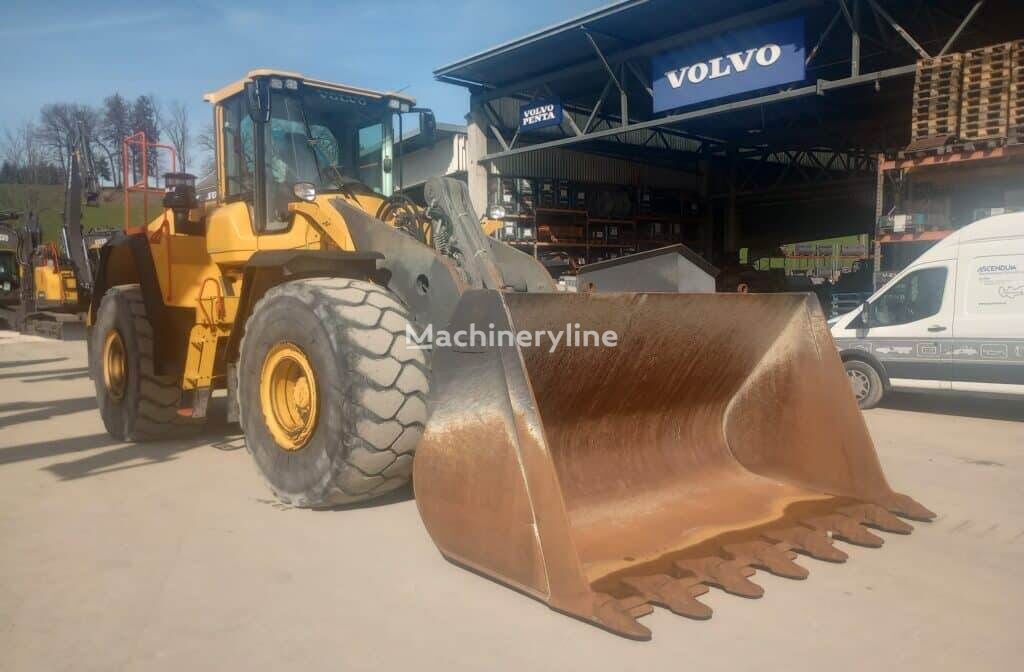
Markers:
point(742, 127)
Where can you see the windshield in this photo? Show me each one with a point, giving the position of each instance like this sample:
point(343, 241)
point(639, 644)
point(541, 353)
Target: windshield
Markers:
point(8, 268)
point(324, 137)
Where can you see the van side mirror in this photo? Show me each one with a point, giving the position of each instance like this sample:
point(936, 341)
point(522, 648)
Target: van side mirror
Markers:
point(428, 124)
point(865, 313)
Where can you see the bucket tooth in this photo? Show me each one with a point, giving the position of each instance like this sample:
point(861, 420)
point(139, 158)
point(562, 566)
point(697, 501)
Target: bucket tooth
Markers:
point(671, 593)
point(908, 507)
point(812, 542)
point(775, 558)
point(728, 575)
point(876, 516)
point(619, 617)
point(847, 529)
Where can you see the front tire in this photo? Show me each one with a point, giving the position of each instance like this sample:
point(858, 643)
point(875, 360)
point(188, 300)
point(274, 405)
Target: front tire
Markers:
point(135, 403)
point(865, 382)
point(332, 402)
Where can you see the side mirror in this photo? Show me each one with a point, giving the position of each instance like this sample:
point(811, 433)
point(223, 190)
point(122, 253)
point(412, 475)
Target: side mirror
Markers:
point(257, 96)
point(865, 313)
point(428, 124)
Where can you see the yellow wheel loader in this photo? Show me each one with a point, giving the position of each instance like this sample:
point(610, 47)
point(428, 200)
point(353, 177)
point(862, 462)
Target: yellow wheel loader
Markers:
point(707, 438)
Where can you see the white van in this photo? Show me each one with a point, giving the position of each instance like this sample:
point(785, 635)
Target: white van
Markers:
point(951, 321)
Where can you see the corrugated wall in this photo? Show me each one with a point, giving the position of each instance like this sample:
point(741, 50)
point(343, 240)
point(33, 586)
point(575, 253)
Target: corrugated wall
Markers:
point(573, 166)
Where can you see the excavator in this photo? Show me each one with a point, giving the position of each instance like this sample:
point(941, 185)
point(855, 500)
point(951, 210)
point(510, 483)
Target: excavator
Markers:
point(56, 279)
point(10, 275)
point(688, 452)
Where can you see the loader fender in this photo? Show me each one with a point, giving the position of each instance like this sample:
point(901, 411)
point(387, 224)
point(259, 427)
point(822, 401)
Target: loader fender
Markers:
point(127, 259)
point(270, 268)
point(427, 282)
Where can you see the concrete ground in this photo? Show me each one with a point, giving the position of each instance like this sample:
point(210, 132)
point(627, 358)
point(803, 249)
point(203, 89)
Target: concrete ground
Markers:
point(174, 556)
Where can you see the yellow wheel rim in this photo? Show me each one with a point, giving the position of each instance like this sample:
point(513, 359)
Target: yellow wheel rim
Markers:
point(288, 396)
point(115, 366)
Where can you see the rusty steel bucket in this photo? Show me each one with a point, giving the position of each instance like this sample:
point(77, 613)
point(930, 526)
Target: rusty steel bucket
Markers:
point(718, 436)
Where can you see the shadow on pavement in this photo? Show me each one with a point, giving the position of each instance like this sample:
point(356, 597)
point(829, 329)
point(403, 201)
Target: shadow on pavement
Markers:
point(117, 455)
point(42, 376)
point(31, 362)
point(31, 411)
point(988, 408)
point(402, 494)
point(53, 448)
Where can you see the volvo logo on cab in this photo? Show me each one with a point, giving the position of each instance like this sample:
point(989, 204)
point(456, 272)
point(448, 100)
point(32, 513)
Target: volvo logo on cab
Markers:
point(723, 66)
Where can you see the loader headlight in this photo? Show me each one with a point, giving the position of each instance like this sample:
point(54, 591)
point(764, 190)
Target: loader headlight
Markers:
point(496, 212)
point(304, 191)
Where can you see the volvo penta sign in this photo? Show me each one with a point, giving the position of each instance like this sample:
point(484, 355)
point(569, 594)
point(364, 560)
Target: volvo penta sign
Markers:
point(732, 63)
point(540, 114)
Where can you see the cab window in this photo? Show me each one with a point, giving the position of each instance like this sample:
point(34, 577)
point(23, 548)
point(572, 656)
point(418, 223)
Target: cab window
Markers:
point(238, 150)
point(290, 158)
point(371, 148)
point(917, 296)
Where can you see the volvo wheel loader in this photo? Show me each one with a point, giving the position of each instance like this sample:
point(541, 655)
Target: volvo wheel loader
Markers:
point(716, 436)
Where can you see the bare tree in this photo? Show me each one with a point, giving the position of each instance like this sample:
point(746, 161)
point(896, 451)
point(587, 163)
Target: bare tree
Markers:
point(59, 125)
point(206, 141)
point(115, 127)
point(175, 123)
point(21, 151)
point(12, 147)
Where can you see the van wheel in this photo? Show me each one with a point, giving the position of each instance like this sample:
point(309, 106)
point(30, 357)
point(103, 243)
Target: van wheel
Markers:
point(865, 383)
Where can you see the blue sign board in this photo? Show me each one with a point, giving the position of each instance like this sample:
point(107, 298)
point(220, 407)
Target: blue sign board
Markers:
point(540, 114)
point(732, 63)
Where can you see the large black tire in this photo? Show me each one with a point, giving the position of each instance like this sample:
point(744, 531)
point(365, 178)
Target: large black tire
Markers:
point(865, 382)
point(372, 390)
point(148, 408)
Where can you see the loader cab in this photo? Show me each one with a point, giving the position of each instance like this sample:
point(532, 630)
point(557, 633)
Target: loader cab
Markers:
point(8, 265)
point(282, 137)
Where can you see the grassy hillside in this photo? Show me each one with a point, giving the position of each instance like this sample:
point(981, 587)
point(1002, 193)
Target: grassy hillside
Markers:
point(49, 204)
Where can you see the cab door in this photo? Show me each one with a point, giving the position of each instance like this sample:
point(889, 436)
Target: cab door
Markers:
point(910, 327)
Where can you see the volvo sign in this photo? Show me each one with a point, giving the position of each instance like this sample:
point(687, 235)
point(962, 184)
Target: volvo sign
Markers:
point(540, 114)
point(732, 63)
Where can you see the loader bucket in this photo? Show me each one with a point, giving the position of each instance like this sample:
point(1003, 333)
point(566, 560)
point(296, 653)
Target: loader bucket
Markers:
point(718, 436)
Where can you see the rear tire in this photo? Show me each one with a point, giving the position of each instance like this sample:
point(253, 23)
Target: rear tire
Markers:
point(363, 389)
point(135, 403)
point(865, 382)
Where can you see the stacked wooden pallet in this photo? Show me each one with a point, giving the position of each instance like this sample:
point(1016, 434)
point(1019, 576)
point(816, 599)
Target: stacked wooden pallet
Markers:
point(937, 97)
point(985, 93)
point(1016, 117)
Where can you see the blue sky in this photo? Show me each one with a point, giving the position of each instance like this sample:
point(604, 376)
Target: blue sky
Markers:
point(57, 51)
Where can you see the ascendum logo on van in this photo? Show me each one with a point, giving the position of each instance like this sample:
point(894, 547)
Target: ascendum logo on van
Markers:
point(735, 62)
point(998, 268)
